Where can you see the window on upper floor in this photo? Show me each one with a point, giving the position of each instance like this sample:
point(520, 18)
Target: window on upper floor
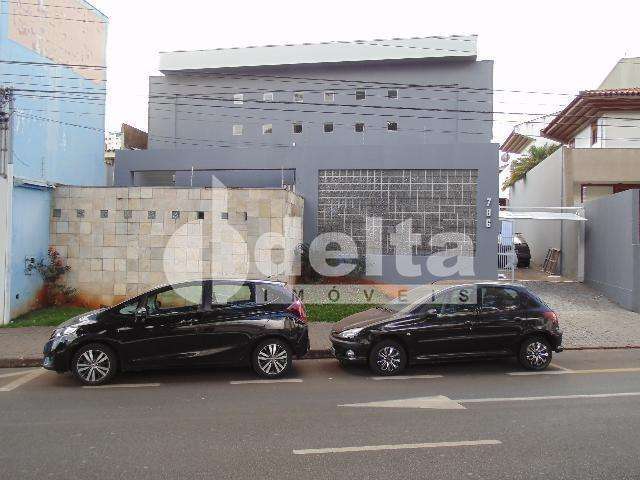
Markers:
point(238, 129)
point(298, 97)
point(267, 97)
point(594, 133)
point(297, 127)
point(392, 126)
point(267, 129)
point(329, 97)
point(328, 127)
point(392, 93)
point(361, 94)
point(359, 127)
point(238, 98)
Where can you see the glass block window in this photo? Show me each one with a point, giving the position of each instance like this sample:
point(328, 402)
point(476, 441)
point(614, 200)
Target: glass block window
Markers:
point(200, 215)
point(329, 97)
point(238, 129)
point(267, 129)
point(238, 98)
point(151, 214)
point(224, 215)
point(392, 126)
point(57, 213)
point(328, 127)
point(267, 97)
point(298, 97)
point(128, 214)
point(392, 93)
point(359, 127)
point(175, 214)
point(104, 213)
point(361, 94)
point(297, 127)
point(80, 213)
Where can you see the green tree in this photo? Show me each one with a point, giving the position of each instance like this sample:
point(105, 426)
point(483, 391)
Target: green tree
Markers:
point(521, 166)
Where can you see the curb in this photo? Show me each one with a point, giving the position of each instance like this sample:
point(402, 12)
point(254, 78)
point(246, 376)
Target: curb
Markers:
point(311, 355)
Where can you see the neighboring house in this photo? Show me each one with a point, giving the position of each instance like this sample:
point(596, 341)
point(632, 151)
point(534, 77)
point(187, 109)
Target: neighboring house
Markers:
point(600, 156)
point(395, 129)
point(54, 62)
point(128, 138)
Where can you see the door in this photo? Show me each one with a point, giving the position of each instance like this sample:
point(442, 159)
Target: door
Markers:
point(231, 320)
point(500, 320)
point(168, 333)
point(446, 325)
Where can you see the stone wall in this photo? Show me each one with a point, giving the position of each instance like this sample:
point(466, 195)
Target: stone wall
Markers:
point(122, 241)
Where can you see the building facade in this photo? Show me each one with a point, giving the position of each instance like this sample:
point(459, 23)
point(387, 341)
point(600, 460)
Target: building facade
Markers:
point(53, 57)
point(390, 129)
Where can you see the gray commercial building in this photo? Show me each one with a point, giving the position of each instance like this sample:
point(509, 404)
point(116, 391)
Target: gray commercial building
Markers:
point(394, 129)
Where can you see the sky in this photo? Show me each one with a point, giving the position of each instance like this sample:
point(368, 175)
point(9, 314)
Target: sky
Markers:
point(554, 48)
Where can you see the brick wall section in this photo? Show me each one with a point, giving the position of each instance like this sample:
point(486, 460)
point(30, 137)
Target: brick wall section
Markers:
point(438, 201)
point(122, 241)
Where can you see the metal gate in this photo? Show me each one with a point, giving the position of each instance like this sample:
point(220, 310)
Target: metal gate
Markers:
point(506, 251)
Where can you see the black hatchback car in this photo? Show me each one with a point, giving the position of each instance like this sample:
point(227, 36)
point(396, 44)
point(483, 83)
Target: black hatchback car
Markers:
point(209, 322)
point(465, 321)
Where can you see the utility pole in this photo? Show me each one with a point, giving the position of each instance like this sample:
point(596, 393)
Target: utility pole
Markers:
point(6, 196)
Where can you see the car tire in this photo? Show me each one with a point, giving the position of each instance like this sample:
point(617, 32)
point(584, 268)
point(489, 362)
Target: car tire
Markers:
point(387, 358)
point(535, 353)
point(94, 364)
point(272, 358)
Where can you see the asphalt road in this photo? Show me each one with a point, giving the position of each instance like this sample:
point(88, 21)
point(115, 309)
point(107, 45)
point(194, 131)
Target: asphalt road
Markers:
point(463, 421)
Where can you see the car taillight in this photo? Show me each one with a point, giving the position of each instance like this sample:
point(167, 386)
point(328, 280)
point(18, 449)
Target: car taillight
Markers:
point(298, 308)
point(552, 317)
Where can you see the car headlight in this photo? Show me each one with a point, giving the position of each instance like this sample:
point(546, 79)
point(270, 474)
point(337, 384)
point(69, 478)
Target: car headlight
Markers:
point(61, 332)
point(351, 333)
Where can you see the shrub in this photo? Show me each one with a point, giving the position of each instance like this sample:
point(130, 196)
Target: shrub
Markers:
point(52, 269)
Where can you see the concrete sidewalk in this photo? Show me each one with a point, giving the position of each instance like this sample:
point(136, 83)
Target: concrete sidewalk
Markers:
point(588, 319)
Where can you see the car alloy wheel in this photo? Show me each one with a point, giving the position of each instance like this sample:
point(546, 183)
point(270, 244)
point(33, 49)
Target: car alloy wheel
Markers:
point(389, 359)
point(272, 358)
point(94, 364)
point(537, 354)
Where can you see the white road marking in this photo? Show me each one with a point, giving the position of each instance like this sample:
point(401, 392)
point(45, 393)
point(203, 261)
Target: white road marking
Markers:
point(406, 377)
point(577, 372)
point(547, 397)
point(27, 377)
point(123, 385)
point(555, 365)
point(16, 374)
point(282, 380)
point(401, 446)
point(439, 402)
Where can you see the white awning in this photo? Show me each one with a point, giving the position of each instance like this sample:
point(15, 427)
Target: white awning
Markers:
point(540, 215)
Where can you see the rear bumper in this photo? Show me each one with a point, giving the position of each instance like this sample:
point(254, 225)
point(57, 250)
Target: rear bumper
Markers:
point(302, 346)
point(556, 344)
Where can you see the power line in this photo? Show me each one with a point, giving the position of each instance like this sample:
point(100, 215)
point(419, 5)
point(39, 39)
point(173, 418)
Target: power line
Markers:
point(68, 7)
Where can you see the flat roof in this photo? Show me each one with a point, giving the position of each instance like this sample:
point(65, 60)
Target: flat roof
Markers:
point(454, 46)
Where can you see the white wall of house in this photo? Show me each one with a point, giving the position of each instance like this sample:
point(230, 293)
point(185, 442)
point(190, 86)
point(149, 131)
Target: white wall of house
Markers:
point(615, 130)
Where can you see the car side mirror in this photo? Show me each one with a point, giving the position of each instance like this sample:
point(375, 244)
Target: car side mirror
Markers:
point(432, 312)
point(141, 313)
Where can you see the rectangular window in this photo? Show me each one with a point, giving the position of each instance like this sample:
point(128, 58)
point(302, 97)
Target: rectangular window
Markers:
point(329, 97)
point(361, 94)
point(297, 127)
point(238, 98)
point(359, 127)
point(267, 97)
point(231, 294)
point(392, 126)
point(187, 298)
point(238, 129)
point(267, 129)
point(328, 127)
point(393, 93)
point(594, 132)
point(298, 97)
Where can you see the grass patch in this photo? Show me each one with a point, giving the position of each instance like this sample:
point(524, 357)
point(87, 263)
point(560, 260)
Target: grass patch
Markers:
point(333, 312)
point(46, 317)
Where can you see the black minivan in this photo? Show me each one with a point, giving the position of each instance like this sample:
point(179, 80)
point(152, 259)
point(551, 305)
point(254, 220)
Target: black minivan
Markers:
point(204, 322)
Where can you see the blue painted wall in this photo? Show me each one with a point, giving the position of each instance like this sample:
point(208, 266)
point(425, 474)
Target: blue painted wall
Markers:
point(58, 137)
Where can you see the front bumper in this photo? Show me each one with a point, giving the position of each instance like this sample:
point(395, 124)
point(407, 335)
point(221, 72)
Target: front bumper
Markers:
point(349, 350)
point(302, 345)
point(56, 354)
point(557, 339)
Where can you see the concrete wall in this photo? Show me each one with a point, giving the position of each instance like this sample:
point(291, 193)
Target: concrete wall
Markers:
point(56, 138)
point(122, 241)
point(308, 161)
point(612, 263)
point(198, 110)
point(542, 187)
